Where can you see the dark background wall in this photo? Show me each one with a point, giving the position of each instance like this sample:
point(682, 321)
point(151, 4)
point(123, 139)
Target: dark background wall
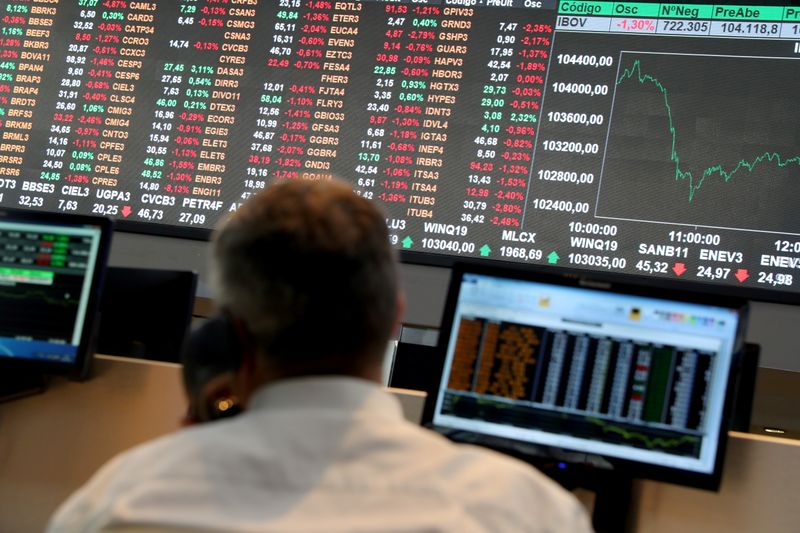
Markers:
point(773, 326)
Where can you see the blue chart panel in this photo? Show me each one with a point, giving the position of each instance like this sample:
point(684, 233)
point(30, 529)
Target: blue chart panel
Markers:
point(28, 349)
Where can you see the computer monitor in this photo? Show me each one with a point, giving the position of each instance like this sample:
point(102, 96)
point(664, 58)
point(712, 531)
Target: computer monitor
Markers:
point(146, 313)
point(51, 273)
point(589, 372)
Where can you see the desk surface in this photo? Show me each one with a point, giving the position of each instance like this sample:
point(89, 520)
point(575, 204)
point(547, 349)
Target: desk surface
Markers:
point(51, 443)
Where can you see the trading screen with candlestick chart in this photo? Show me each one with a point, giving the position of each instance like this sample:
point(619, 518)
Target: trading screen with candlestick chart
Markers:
point(649, 139)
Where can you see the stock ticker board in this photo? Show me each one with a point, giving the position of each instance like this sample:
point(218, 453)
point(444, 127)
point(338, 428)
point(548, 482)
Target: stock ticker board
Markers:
point(653, 139)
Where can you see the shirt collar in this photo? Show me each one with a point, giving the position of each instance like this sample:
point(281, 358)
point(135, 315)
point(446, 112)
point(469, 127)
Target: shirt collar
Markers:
point(338, 393)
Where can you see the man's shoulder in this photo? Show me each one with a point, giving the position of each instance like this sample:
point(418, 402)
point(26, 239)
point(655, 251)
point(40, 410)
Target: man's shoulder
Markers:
point(180, 449)
point(468, 461)
point(506, 472)
point(491, 483)
point(125, 476)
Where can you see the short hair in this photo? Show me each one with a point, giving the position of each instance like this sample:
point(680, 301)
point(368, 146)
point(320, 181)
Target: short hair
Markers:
point(309, 269)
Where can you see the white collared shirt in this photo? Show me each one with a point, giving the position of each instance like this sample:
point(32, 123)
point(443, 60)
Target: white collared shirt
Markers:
point(319, 454)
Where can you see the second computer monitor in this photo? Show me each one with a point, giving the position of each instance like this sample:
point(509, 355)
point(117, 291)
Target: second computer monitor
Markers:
point(51, 273)
point(570, 364)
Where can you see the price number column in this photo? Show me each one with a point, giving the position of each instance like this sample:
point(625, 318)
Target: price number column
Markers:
point(305, 62)
point(569, 156)
point(385, 83)
point(510, 102)
point(273, 97)
point(303, 103)
point(26, 40)
point(186, 159)
point(94, 105)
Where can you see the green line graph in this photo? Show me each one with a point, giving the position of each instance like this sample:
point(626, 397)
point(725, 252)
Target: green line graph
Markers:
point(38, 294)
point(635, 73)
point(649, 442)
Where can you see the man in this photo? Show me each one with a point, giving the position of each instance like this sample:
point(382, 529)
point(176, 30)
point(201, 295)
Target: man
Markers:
point(307, 272)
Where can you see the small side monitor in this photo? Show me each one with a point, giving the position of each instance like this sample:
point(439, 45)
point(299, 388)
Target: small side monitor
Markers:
point(51, 275)
point(418, 361)
point(146, 313)
point(589, 371)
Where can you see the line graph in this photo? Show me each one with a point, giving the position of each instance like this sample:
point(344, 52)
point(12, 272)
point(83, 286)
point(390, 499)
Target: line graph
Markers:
point(649, 442)
point(56, 298)
point(40, 313)
point(680, 174)
point(703, 140)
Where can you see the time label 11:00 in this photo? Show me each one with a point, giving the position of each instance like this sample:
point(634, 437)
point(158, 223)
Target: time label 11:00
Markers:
point(695, 237)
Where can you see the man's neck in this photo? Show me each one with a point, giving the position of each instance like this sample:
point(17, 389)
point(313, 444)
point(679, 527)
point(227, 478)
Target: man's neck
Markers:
point(263, 371)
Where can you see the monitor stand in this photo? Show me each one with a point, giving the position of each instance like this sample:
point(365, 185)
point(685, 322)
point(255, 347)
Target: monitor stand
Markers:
point(17, 384)
point(612, 505)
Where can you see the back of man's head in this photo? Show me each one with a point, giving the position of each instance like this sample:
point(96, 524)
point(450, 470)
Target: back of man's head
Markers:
point(307, 266)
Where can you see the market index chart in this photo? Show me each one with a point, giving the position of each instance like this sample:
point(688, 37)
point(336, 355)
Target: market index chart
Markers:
point(684, 151)
point(715, 138)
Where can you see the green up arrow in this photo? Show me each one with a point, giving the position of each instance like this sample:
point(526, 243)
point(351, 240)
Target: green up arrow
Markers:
point(485, 250)
point(407, 242)
point(553, 258)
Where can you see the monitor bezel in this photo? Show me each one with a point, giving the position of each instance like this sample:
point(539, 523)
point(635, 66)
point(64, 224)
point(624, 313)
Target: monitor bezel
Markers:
point(78, 368)
point(591, 281)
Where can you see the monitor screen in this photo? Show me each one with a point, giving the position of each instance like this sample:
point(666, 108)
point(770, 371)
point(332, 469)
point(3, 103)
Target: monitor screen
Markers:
point(561, 363)
point(51, 269)
point(146, 313)
point(647, 139)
